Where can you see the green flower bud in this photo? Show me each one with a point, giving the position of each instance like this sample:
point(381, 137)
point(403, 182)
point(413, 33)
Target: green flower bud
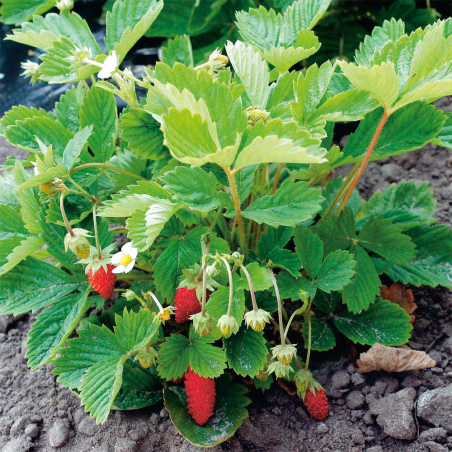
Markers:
point(147, 356)
point(285, 353)
point(203, 324)
point(279, 369)
point(78, 243)
point(227, 324)
point(257, 319)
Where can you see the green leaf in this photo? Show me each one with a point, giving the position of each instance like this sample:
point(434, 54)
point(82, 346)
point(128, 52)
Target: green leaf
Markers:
point(322, 336)
point(26, 247)
point(365, 286)
point(178, 50)
point(24, 134)
point(327, 302)
point(285, 259)
point(100, 385)
point(219, 301)
point(128, 22)
point(282, 91)
point(246, 351)
point(11, 223)
point(309, 248)
point(140, 388)
point(291, 204)
point(432, 265)
point(252, 70)
point(178, 352)
point(304, 14)
point(53, 326)
point(99, 110)
point(67, 109)
point(190, 140)
point(398, 199)
point(16, 12)
point(135, 330)
point(336, 271)
point(30, 207)
point(384, 322)
point(33, 284)
point(408, 129)
point(380, 237)
point(444, 138)
point(143, 133)
point(229, 413)
point(54, 172)
point(196, 188)
point(330, 191)
point(274, 238)
point(75, 146)
point(260, 277)
point(380, 81)
point(43, 31)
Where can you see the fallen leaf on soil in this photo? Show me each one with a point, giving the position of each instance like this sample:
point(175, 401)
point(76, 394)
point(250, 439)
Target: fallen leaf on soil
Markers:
point(401, 296)
point(391, 359)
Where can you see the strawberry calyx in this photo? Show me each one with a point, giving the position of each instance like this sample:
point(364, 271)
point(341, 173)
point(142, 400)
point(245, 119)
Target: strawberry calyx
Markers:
point(94, 261)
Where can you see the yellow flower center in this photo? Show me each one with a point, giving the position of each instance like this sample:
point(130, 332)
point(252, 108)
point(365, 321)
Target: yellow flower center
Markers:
point(125, 260)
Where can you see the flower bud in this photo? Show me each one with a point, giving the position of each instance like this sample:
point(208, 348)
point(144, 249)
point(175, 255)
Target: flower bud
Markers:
point(203, 324)
point(147, 356)
point(65, 5)
point(79, 56)
point(129, 295)
point(285, 353)
point(31, 70)
point(47, 187)
point(217, 61)
point(279, 369)
point(257, 319)
point(255, 114)
point(262, 376)
point(227, 324)
point(78, 243)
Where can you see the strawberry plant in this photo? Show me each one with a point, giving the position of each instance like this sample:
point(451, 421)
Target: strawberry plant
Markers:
point(243, 254)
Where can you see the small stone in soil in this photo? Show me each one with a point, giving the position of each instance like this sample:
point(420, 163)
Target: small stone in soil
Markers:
point(438, 434)
point(395, 414)
point(355, 400)
point(411, 382)
point(125, 445)
point(435, 447)
point(322, 428)
point(59, 433)
point(88, 426)
point(340, 379)
point(375, 449)
point(358, 379)
point(31, 430)
point(20, 444)
point(434, 407)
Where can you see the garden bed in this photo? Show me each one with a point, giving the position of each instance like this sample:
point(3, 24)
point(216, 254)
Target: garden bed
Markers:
point(37, 414)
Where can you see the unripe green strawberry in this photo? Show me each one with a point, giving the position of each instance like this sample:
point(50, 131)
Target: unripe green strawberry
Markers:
point(84, 253)
point(255, 114)
point(47, 187)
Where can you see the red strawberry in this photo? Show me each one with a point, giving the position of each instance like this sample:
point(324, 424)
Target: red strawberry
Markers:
point(102, 282)
point(186, 303)
point(200, 396)
point(317, 404)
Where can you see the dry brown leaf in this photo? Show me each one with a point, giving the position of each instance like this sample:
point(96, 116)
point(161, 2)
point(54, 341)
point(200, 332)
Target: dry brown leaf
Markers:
point(399, 295)
point(391, 359)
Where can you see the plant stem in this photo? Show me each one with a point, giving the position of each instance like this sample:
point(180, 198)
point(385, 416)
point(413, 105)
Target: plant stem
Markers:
point(105, 165)
point(278, 173)
point(84, 192)
point(63, 213)
point(85, 85)
point(250, 283)
point(157, 302)
point(118, 230)
point(289, 323)
point(231, 285)
point(96, 235)
point(308, 315)
point(272, 320)
point(235, 198)
point(215, 221)
point(340, 192)
point(134, 276)
point(280, 316)
point(205, 245)
point(364, 162)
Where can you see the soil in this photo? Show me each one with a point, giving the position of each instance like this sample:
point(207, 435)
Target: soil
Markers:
point(37, 414)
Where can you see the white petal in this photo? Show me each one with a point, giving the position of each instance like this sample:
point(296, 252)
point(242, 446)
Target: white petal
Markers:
point(129, 267)
point(134, 253)
point(104, 73)
point(127, 248)
point(116, 258)
point(119, 269)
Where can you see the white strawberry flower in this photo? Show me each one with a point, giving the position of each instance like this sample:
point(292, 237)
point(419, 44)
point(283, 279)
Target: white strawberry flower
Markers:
point(125, 259)
point(109, 66)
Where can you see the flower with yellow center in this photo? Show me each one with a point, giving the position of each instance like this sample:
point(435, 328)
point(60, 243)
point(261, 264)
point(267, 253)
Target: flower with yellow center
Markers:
point(125, 259)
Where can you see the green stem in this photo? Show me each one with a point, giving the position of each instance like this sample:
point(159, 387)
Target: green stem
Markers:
point(63, 214)
point(235, 198)
point(308, 356)
point(118, 230)
point(289, 323)
point(105, 165)
point(250, 283)
point(131, 77)
point(96, 235)
point(363, 164)
point(272, 320)
point(215, 220)
point(84, 192)
point(205, 245)
point(278, 297)
point(232, 237)
point(85, 85)
point(340, 192)
point(278, 173)
point(231, 285)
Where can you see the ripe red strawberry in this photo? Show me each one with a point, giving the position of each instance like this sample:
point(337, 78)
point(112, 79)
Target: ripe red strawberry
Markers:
point(317, 404)
point(103, 283)
point(186, 303)
point(200, 396)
